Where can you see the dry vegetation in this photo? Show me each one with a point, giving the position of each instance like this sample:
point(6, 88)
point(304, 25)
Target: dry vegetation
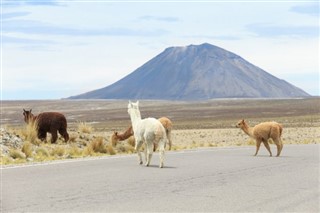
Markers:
point(205, 124)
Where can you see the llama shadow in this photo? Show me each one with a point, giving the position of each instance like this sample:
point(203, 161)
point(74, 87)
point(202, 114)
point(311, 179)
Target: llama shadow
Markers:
point(156, 166)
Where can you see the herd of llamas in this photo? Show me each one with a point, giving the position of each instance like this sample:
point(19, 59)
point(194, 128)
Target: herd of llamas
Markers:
point(151, 132)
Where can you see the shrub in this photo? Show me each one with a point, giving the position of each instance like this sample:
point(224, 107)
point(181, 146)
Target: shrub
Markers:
point(58, 151)
point(126, 148)
point(72, 137)
point(74, 151)
point(110, 150)
point(88, 151)
point(97, 145)
point(84, 128)
point(16, 154)
point(30, 133)
point(42, 151)
point(131, 141)
point(27, 149)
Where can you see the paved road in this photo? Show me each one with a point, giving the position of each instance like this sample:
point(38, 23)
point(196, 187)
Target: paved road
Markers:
point(211, 180)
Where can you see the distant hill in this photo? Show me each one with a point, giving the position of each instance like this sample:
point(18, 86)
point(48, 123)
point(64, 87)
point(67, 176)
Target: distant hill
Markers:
point(196, 72)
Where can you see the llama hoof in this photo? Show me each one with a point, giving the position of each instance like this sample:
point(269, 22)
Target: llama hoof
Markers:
point(161, 166)
point(146, 164)
point(140, 163)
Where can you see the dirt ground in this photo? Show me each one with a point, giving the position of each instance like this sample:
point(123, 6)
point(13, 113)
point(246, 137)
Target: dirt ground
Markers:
point(196, 124)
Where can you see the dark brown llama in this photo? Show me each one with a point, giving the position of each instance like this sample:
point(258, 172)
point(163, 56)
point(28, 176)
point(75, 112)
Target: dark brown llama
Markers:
point(51, 122)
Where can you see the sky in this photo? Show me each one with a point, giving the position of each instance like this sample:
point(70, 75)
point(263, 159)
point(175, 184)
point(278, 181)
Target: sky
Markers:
point(52, 49)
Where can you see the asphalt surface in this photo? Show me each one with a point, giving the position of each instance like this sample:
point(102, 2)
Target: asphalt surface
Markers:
point(208, 180)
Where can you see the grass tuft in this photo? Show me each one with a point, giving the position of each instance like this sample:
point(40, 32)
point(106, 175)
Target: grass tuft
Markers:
point(58, 151)
point(27, 149)
point(110, 150)
point(30, 133)
point(83, 127)
point(131, 141)
point(16, 154)
point(97, 145)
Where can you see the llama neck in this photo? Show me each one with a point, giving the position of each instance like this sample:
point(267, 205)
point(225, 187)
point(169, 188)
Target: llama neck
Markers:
point(135, 117)
point(32, 118)
point(126, 134)
point(247, 129)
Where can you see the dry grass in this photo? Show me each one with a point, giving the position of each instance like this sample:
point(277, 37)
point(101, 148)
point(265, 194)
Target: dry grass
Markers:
point(204, 124)
point(131, 141)
point(110, 150)
point(84, 127)
point(30, 133)
point(27, 149)
point(74, 151)
point(97, 145)
point(58, 151)
point(17, 154)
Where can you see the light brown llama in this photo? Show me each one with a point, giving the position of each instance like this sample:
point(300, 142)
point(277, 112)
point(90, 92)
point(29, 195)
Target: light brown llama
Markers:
point(262, 132)
point(166, 122)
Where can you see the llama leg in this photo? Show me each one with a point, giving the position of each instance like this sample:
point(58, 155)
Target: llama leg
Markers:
point(162, 144)
point(266, 144)
point(279, 147)
point(137, 148)
point(54, 137)
point(42, 135)
point(149, 148)
point(64, 134)
point(258, 143)
point(169, 139)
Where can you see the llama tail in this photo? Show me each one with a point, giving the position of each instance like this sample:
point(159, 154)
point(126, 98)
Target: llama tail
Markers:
point(280, 130)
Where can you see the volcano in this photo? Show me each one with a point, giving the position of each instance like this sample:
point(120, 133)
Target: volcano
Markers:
point(196, 72)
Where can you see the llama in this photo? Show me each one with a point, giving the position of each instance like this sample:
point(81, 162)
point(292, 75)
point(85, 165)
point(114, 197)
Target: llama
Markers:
point(121, 136)
point(48, 122)
point(166, 122)
point(262, 132)
point(149, 131)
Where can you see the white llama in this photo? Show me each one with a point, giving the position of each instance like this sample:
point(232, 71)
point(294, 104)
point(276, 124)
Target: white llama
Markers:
point(149, 131)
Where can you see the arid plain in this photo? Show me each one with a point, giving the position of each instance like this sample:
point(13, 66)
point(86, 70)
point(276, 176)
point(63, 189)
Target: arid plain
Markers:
point(195, 124)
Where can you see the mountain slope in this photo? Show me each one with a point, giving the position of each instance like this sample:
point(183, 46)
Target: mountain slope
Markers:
point(196, 72)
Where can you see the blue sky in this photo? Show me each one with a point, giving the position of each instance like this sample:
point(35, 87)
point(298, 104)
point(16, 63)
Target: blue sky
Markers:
point(55, 49)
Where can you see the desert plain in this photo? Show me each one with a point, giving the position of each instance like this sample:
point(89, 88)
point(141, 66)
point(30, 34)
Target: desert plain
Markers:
point(196, 124)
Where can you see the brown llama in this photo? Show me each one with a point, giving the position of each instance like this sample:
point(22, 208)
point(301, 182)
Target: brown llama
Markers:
point(166, 122)
point(48, 122)
point(262, 132)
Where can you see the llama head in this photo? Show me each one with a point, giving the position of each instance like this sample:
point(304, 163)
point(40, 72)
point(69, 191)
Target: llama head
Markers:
point(114, 139)
point(133, 108)
point(241, 123)
point(28, 116)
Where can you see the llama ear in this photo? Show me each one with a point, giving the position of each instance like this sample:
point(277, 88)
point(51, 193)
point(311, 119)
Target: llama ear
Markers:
point(137, 103)
point(24, 110)
point(30, 110)
point(242, 121)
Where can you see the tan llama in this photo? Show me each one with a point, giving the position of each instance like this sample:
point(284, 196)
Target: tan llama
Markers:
point(262, 132)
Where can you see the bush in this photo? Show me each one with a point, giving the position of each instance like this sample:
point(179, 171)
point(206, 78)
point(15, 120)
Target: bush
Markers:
point(84, 128)
point(27, 149)
point(97, 145)
point(16, 154)
point(30, 133)
point(58, 151)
